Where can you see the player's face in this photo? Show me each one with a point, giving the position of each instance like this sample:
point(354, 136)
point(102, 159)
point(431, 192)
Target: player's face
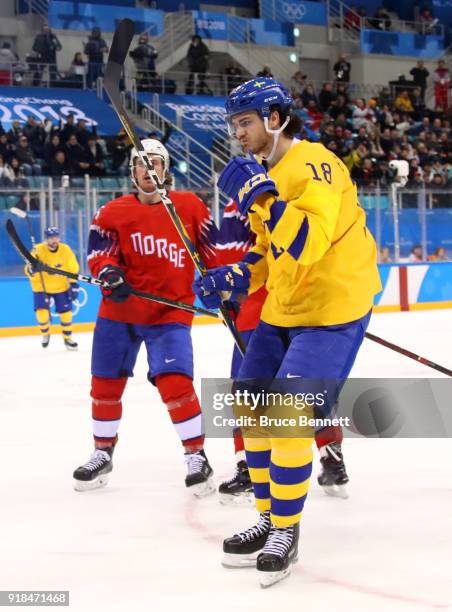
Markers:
point(249, 130)
point(141, 174)
point(53, 242)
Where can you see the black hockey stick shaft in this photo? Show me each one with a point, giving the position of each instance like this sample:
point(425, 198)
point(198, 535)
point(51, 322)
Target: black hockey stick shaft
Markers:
point(40, 266)
point(118, 53)
point(409, 354)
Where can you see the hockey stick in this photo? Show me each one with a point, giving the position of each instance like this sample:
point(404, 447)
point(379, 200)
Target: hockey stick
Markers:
point(42, 267)
point(409, 354)
point(118, 53)
point(22, 214)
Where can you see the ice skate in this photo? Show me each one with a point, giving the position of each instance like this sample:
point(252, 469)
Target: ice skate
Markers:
point(243, 548)
point(94, 473)
point(199, 476)
point(238, 490)
point(279, 553)
point(70, 344)
point(45, 340)
point(333, 476)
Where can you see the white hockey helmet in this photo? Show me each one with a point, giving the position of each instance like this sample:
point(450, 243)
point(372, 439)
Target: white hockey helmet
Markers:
point(152, 147)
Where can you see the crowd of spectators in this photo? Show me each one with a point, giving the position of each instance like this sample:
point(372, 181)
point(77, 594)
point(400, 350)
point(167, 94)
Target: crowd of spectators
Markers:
point(368, 133)
point(70, 148)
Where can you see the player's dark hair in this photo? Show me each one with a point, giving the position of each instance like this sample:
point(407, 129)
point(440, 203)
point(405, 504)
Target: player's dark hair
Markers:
point(294, 127)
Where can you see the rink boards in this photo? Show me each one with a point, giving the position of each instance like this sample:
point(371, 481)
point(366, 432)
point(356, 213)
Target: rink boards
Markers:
point(405, 287)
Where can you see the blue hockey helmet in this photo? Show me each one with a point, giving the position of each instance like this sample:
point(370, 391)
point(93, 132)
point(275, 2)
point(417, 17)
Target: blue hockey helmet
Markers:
point(258, 94)
point(51, 231)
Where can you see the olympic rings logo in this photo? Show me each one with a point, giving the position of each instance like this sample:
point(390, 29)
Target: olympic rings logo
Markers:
point(293, 11)
point(81, 301)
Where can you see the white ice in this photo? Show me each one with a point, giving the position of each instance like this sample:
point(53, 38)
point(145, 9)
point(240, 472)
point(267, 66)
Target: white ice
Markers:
point(143, 543)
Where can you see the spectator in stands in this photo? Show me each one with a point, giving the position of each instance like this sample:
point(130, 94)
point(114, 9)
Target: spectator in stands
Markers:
point(59, 166)
point(6, 173)
point(420, 75)
point(265, 72)
point(418, 103)
point(68, 129)
point(366, 175)
point(35, 133)
point(428, 22)
point(198, 63)
point(74, 154)
point(363, 115)
point(50, 149)
point(46, 45)
point(438, 186)
point(381, 21)
point(403, 102)
point(342, 69)
point(439, 254)
point(77, 70)
point(442, 82)
point(6, 149)
point(7, 59)
point(144, 56)
point(94, 50)
point(416, 254)
point(234, 76)
point(94, 157)
point(14, 132)
point(82, 133)
point(326, 97)
point(308, 95)
point(26, 158)
point(298, 82)
point(385, 255)
point(120, 149)
point(385, 97)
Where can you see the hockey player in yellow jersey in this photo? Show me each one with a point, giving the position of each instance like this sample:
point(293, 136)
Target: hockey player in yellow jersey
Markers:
point(47, 286)
point(317, 260)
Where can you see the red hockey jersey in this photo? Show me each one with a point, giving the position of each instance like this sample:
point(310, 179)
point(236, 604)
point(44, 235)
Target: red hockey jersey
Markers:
point(142, 240)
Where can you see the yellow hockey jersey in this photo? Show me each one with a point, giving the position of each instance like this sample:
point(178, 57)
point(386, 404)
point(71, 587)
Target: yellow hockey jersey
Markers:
point(62, 258)
point(313, 250)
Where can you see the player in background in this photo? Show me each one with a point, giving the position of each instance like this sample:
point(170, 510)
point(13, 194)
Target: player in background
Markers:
point(318, 262)
point(45, 286)
point(234, 241)
point(133, 243)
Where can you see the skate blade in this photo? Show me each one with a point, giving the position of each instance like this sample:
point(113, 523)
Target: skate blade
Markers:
point(232, 561)
point(203, 489)
point(336, 491)
point(241, 499)
point(71, 348)
point(89, 485)
point(268, 579)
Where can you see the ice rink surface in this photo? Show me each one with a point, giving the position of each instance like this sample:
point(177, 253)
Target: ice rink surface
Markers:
point(143, 543)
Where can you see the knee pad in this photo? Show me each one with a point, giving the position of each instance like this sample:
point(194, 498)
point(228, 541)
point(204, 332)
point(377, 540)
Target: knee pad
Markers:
point(175, 389)
point(107, 389)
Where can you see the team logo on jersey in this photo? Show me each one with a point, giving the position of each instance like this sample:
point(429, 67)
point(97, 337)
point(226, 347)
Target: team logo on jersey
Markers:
point(150, 245)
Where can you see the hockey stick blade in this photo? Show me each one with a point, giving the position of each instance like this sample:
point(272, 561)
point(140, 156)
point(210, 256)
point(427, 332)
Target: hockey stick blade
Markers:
point(39, 266)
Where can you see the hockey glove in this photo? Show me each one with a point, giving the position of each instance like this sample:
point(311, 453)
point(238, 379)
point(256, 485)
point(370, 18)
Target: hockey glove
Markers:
point(73, 291)
point(222, 284)
point(118, 290)
point(243, 180)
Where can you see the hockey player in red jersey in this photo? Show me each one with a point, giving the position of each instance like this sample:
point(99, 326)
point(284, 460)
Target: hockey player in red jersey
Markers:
point(234, 240)
point(134, 244)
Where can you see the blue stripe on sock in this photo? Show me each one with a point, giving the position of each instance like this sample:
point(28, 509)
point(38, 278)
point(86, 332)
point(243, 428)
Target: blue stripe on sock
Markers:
point(290, 475)
point(258, 459)
point(261, 490)
point(67, 333)
point(297, 245)
point(287, 507)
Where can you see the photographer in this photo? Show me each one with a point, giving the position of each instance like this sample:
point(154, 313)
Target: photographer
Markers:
point(46, 45)
point(144, 56)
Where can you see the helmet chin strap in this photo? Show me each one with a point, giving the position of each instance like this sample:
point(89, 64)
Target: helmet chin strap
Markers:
point(276, 134)
point(146, 193)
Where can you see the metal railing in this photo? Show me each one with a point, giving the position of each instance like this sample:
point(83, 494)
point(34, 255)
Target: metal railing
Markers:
point(41, 74)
